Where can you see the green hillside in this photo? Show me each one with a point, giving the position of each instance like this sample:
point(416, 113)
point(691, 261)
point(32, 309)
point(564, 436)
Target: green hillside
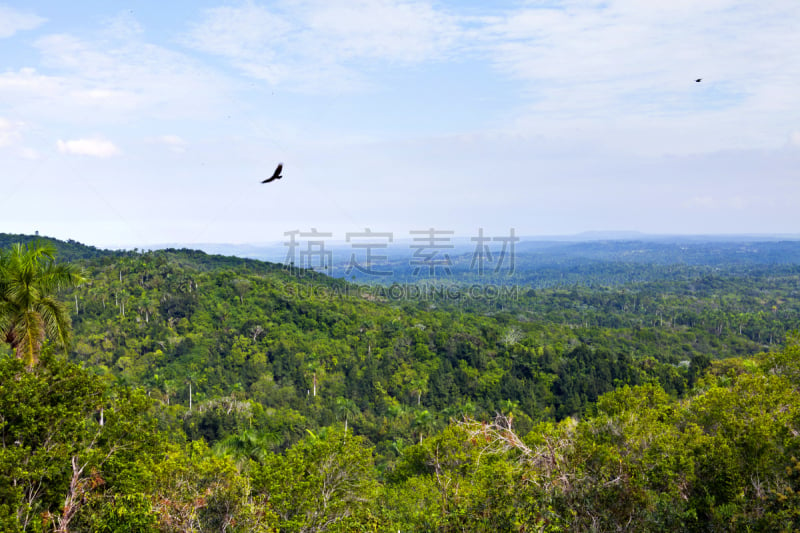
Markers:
point(67, 250)
point(199, 389)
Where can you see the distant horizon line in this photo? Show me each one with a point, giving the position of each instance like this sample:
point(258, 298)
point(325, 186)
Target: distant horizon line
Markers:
point(584, 236)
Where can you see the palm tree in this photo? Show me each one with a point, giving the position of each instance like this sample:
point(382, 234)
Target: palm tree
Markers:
point(345, 408)
point(419, 386)
point(249, 444)
point(193, 376)
point(29, 276)
point(424, 422)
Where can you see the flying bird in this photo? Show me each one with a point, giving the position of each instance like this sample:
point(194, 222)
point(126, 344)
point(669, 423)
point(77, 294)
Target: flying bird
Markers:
point(698, 80)
point(275, 175)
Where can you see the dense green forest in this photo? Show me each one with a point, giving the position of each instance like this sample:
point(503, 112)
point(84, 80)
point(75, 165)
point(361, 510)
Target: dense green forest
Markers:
point(215, 393)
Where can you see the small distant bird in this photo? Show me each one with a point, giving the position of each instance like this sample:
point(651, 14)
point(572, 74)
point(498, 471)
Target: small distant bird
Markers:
point(698, 80)
point(275, 175)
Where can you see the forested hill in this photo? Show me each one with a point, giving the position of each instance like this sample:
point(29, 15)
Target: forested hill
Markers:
point(566, 407)
point(279, 335)
point(67, 250)
point(296, 339)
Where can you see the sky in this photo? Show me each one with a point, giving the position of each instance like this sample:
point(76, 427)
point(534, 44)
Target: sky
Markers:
point(142, 123)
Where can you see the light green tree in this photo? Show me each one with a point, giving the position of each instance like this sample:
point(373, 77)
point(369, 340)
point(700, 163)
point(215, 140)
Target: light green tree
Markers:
point(323, 483)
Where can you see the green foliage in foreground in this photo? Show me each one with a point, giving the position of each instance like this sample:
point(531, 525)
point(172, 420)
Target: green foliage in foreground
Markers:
point(80, 455)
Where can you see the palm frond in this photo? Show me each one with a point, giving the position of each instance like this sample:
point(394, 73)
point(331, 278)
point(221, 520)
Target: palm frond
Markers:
point(55, 320)
point(29, 276)
point(29, 336)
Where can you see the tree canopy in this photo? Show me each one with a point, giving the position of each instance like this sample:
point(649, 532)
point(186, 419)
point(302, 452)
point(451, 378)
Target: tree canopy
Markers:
point(204, 393)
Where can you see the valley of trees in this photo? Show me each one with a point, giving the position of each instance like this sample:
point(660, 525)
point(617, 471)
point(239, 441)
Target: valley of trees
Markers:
point(210, 393)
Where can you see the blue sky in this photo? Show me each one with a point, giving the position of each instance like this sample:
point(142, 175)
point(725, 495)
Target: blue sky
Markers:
point(142, 123)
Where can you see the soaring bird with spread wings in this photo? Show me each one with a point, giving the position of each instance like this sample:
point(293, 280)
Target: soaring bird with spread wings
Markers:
point(275, 175)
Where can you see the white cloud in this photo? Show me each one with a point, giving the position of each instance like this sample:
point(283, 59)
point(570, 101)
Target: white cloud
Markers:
point(600, 67)
point(123, 25)
point(130, 75)
point(28, 153)
point(620, 73)
point(173, 142)
point(13, 21)
point(383, 29)
point(92, 147)
point(240, 31)
point(11, 137)
point(638, 44)
point(249, 36)
point(9, 132)
point(102, 81)
point(317, 45)
point(24, 80)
